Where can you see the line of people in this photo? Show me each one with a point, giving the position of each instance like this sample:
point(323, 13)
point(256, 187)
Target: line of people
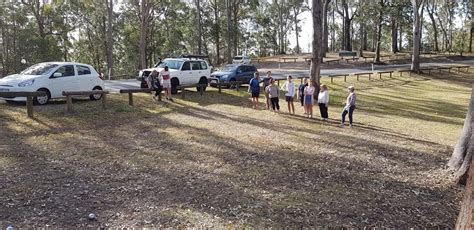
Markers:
point(305, 94)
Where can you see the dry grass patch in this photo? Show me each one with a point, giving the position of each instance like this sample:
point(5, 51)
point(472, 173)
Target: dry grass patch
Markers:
point(213, 161)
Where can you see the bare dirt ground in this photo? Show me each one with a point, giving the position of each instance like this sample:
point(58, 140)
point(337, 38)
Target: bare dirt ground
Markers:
point(212, 161)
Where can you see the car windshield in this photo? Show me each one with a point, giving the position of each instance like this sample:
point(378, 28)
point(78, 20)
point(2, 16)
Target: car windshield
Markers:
point(172, 64)
point(228, 68)
point(39, 69)
point(238, 58)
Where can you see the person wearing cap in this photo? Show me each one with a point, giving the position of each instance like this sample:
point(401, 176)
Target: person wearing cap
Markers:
point(349, 107)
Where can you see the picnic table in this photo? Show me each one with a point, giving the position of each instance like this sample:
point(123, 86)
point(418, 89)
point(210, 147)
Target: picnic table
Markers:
point(288, 58)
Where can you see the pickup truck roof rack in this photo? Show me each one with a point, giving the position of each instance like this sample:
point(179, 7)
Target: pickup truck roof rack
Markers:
point(195, 56)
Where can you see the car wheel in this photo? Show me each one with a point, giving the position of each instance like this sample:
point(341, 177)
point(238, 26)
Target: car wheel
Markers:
point(96, 97)
point(42, 100)
point(143, 84)
point(174, 85)
point(203, 80)
point(232, 85)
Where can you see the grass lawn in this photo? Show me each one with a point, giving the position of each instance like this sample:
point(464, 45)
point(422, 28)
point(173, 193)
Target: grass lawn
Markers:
point(213, 161)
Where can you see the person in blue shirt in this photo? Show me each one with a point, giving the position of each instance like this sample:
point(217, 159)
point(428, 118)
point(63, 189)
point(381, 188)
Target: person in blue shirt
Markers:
point(254, 89)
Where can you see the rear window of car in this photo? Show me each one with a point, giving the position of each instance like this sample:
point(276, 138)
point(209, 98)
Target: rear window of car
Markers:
point(83, 70)
point(203, 65)
point(196, 65)
point(237, 58)
point(252, 69)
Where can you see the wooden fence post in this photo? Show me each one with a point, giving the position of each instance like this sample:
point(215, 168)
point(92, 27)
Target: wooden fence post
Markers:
point(69, 103)
point(29, 106)
point(104, 101)
point(130, 98)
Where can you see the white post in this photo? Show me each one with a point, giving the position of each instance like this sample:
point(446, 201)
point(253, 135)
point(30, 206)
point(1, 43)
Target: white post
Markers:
point(109, 73)
point(372, 67)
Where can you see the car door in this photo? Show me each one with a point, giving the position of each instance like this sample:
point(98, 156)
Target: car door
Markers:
point(240, 74)
point(66, 82)
point(186, 74)
point(197, 71)
point(85, 80)
point(206, 71)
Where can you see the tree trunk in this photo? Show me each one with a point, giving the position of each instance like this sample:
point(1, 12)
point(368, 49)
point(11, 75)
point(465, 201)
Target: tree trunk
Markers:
point(365, 39)
point(347, 35)
point(343, 40)
point(400, 38)
point(317, 38)
point(461, 158)
point(199, 21)
point(324, 49)
point(361, 46)
point(144, 22)
point(435, 29)
point(470, 39)
point(333, 33)
point(379, 33)
point(415, 64)
point(394, 34)
point(298, 50)
point(217, 29)
point(229, 31)
point(110, 40)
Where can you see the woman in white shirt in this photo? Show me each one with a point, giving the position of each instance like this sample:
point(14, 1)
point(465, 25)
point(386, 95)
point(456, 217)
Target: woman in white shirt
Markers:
point(289, 87)
point(323, 101)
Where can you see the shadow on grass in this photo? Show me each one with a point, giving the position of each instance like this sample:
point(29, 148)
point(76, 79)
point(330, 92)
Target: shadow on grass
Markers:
point(138, 172)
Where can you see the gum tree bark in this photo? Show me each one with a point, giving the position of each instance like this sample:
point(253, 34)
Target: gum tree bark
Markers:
point(317, 42)
point(110, 40)
point(415, 62)
point(461, 158)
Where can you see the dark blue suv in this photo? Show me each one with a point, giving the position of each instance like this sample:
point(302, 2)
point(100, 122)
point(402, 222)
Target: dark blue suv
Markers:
point(235, 72)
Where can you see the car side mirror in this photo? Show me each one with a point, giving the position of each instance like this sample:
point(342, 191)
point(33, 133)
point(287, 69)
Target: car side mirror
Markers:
point(55, 75)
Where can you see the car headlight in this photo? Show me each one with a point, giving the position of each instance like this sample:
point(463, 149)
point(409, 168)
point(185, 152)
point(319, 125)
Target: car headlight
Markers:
point(26, 83)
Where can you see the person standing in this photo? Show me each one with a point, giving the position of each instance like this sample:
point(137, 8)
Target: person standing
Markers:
point(323, 102)
point(301, 93)
point(165, 79)
point(154, 84)
point(308, 99)
point(266, 82)
point(254, 89)
point(273, 93)
point(349, 107)
point(289, 87)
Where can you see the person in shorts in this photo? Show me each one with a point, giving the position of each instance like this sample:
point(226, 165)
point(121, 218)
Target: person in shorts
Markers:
point(308, 99)
point(165, 79)
point(266, 82)
point(289, 87)
point(301, 93)
point(254, 89)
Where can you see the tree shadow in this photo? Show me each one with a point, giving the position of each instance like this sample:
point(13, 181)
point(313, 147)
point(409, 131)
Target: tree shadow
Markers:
point(156, 169)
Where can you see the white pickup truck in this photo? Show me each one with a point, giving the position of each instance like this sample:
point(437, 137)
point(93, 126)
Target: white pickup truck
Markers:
point(183, 71)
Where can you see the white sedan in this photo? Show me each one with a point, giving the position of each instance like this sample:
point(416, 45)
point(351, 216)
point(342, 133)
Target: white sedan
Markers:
point(52, 78)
